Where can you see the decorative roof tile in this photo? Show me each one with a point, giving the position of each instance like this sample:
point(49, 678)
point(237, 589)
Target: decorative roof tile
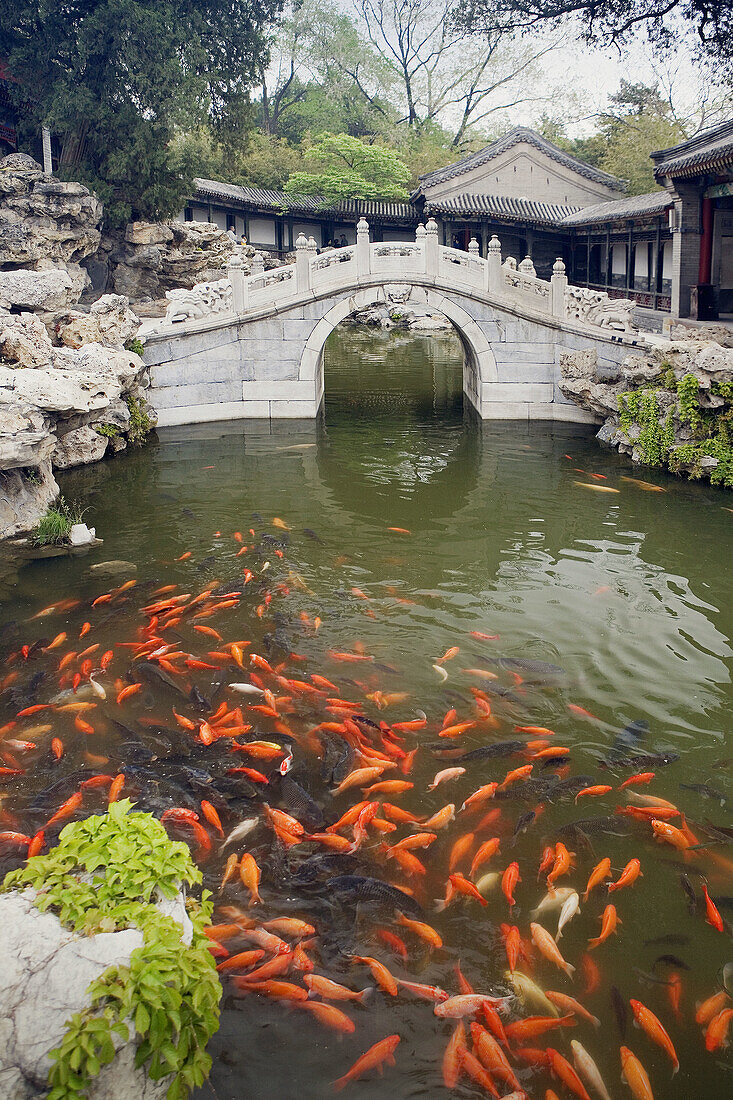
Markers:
point(520, 134)
point(501, 206)
point(280, 201)
point(635, 206)
point(708, 151)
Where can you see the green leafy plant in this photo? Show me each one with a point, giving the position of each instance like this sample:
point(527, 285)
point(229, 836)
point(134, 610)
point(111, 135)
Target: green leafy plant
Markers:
point(54, 528)
point(347, 168)
point(688, 390)
point(135, 345)
point(139, 427)
point(108, 430)
point(104, 876)
point(656, 436)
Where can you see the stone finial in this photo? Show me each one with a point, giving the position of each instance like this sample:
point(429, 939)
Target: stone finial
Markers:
point(527, 267)
point(473, 246)
point(432, 226)
point(312, 246)
point(495, 246)
point(363, 226)
point(258, 263)
point(558, 268)
point(420, 232)
point(302, 241)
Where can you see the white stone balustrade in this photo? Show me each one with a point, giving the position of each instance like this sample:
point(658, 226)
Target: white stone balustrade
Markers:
point(425, 262)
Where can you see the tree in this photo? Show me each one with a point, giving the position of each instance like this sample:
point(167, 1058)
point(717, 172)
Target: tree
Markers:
point(614, 21)
point(637, 121)
point(447, 74)
point(114, 78)
point(346, 168)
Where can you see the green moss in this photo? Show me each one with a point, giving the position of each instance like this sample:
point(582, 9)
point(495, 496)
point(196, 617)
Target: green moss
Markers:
point(169, 991)
point(722, 389)
point(135, 346)
point(688, 391)
point(54, 528)
point(656, 436)
point(139, 427)
point(107, 430)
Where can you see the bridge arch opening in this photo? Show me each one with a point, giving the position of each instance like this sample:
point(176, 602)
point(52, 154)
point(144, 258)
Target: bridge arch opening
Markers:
point(479, 363)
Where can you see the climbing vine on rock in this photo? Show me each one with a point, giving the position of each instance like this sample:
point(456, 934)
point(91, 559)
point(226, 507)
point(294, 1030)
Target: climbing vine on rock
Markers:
point(104, 876)
point(653, 435)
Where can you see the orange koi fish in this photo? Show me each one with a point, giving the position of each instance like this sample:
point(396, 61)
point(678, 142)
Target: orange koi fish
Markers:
point(383, 1051)
point(609, 921)
point(601, 871)
point(713, 917)
point(635, 1075)
point(631, 872)
point(509, 880)
point(649, 1023)
point(453, 1056)
point(383, 977)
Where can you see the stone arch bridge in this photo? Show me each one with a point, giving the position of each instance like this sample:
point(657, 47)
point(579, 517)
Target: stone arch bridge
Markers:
point(252, 346)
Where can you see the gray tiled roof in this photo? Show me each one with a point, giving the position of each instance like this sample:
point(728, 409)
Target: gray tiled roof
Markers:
point(501, 206)
point(635, 206)
point(261, 197)
point(514, 137)
point(706, 151)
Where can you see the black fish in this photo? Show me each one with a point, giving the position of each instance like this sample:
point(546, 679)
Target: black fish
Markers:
point(690, 891)
point(525, 666)
point(373, 889)
point(153, 673)
point(300, 804)
point(311, 534)
point(670, 960)
point(641, 760)
point(488, 752)
point(596, 825)
point(630, 736)
point(619, 1007)
point(523, 824)
point(672, 939)
point(572, 785)
point(705, 791)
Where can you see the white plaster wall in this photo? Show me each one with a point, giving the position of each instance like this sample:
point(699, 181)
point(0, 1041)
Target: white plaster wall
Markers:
point(525, 172)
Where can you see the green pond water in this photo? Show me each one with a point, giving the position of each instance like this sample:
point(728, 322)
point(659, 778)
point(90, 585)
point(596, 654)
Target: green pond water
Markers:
point(629, 593)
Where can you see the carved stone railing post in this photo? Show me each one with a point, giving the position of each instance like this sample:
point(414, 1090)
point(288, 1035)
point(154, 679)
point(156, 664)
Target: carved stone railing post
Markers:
point(240, 289)
point(420, 237)
point(494, 279)
point(559, 283)
point(258, 264)
point(363, 251)
point(473, 247)
point(432, 252)
point(302, 264)
point(312, 247)
point(527, 267)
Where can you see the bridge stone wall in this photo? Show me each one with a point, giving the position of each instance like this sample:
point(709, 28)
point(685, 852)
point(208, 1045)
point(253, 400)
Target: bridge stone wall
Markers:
point(266, 361)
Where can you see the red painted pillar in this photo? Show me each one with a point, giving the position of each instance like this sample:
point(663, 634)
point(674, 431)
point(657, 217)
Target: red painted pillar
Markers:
point(706, 243)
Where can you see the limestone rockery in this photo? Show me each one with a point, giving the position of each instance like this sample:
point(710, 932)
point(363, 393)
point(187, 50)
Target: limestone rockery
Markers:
point(64, 406)
point(70, 391)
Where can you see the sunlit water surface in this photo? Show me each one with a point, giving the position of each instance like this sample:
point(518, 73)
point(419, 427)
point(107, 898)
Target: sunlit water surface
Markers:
point(629, 592)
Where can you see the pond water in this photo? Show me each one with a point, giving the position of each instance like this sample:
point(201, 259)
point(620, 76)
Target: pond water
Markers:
point(414, 530)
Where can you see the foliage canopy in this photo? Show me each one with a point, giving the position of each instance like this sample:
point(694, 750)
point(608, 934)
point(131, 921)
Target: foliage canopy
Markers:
point(347, 168)
point(115, 77)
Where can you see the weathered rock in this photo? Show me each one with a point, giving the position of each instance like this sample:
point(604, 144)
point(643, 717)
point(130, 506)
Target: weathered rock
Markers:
point(45, 971)
point(658, 370)
point(109, 322)
point(24, 497)
point(78, 447)
point(26, 438)
point(150, 258)
point(116, 568)
point(24, 340)
point(47, 290)
point(42, 218)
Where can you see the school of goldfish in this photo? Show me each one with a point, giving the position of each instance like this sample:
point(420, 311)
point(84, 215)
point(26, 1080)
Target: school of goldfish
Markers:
point(306, 777)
